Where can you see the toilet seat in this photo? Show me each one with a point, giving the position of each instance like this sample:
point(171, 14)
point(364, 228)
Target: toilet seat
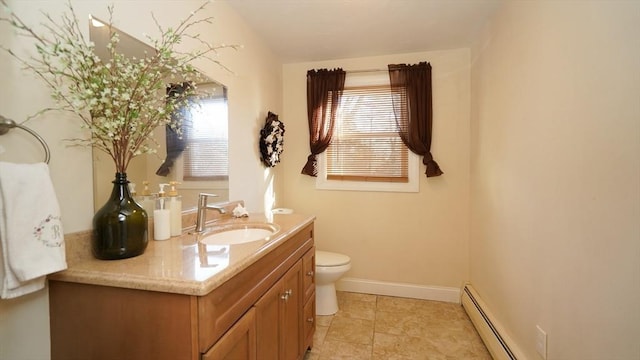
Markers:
point(329, 259)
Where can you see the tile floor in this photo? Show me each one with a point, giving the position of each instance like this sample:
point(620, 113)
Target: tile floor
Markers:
point(373, 327)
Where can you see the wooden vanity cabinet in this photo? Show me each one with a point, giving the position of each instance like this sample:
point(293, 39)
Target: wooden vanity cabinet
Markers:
point(231, 322)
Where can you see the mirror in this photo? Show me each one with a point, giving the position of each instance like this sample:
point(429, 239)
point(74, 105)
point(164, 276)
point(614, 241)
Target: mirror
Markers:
point(203, 164)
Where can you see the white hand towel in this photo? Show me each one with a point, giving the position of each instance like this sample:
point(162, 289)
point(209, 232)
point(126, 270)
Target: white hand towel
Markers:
point(31, 232)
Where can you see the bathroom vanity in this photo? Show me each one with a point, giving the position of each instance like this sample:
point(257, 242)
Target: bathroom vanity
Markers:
point(183, 299)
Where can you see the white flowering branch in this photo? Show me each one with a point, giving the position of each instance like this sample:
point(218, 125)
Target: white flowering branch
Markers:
point(118, 101)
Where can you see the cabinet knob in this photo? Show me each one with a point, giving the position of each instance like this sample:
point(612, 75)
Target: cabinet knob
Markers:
point(310, 273)
point(310, 320)
point(286, 294)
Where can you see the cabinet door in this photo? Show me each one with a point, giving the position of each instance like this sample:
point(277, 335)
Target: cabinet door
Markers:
point(292, 326)
point(268, 323)
point(239, 343)
point(278, 318)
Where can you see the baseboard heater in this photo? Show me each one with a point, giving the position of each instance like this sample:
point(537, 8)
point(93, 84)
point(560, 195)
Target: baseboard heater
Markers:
point(492, 334)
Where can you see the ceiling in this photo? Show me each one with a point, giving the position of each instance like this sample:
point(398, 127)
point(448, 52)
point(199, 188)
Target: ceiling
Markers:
point(313, 30)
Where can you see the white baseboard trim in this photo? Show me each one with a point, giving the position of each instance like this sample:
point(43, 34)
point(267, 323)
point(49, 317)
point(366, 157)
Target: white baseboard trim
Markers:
point(493, 334)
point(436, 293)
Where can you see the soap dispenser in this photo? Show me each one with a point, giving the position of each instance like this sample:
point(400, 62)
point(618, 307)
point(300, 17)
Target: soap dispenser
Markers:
point(147, 200)
point(161, 217)
point(175, 208)
point(132, 189)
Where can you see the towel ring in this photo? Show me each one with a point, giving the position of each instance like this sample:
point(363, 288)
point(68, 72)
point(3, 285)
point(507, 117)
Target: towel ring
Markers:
point(7, 124)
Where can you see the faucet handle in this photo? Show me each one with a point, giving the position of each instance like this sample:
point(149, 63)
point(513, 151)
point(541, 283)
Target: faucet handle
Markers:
point(202, 199)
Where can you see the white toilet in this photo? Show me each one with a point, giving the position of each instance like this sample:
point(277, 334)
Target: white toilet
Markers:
point(330, 267)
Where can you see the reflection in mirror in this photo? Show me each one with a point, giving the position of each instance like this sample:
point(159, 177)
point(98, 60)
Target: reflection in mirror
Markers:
point(201, 157)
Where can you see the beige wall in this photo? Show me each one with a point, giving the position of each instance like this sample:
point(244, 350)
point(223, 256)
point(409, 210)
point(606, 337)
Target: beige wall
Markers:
point(416, 238)
point(555, 154)
point(254, 89)
point(554, 140)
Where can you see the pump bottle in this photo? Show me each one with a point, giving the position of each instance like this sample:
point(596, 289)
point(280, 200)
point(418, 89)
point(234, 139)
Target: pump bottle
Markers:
point(161, 217)
point(132, 189)
point(175, 208)
point(147, 200)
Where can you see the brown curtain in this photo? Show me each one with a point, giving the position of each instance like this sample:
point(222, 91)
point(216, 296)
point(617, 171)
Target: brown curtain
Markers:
point(411, 94)
point(324, 91)
point(175, 142)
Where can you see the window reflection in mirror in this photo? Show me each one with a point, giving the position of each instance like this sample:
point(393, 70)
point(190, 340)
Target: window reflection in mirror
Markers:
point(206, 153)
point(201, 167)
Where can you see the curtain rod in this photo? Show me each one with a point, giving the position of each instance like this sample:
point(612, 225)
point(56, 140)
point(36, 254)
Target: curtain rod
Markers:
point(366, 70)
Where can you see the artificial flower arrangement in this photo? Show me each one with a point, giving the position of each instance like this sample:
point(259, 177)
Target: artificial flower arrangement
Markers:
point(118, 101)
point(271, 140)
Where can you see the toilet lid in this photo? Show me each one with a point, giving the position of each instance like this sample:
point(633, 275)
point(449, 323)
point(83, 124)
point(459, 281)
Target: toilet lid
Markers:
point(326, 258)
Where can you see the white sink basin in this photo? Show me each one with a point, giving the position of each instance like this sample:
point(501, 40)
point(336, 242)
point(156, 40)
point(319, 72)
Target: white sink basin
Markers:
point(233, 234)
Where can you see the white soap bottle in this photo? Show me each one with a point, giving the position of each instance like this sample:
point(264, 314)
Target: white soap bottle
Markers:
point(175, 208)
point(161, 217)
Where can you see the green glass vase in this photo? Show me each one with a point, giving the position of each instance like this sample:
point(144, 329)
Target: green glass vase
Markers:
point(120, 226)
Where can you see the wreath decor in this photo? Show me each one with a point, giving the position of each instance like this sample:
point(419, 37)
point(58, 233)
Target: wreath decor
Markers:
point(271, 140)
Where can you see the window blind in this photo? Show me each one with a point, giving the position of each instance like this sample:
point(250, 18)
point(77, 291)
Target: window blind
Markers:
point(366, 145)
point(207, 151)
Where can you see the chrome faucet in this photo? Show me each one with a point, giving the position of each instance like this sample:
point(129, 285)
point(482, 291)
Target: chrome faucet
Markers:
point(203, 206)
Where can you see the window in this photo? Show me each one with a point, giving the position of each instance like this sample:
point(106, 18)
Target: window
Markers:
point(366, 152)
point(205, 157)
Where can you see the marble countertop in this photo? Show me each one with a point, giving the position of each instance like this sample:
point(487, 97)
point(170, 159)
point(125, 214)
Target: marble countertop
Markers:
point(181, 265)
